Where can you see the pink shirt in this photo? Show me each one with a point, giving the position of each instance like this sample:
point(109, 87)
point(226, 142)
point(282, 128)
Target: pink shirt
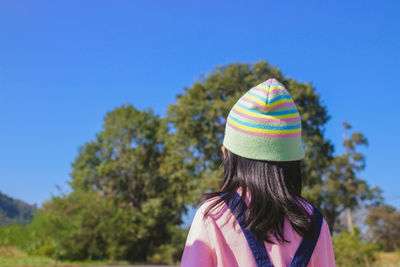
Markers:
point(214, 242)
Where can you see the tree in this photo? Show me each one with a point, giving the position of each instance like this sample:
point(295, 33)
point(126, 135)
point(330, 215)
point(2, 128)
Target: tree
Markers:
point(198, 119)
point(124, 159)
point(343, 190)
point(384, 225)
point(130, 171)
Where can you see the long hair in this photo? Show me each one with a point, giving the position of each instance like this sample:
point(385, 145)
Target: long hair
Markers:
point(275, 192)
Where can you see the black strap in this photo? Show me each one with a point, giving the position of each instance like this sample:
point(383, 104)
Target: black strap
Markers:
point(303, 253)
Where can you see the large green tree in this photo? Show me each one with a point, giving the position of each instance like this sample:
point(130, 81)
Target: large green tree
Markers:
point(198, 119)
point(134, 164)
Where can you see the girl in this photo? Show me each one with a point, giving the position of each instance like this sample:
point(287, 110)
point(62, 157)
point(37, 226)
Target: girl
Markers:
point(258, 218)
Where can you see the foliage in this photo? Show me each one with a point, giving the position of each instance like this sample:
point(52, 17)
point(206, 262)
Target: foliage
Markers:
point(127, 195)
point(171, 252)
point(132, 182)
point(10, 256)
point(87, 226)
point(351, 251)
point(384, 224)
point(14, 234)
point(199, 115)
point(342, 188)
point(14, 211)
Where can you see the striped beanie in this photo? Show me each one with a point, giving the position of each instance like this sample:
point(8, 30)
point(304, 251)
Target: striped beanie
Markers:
point(265, 125)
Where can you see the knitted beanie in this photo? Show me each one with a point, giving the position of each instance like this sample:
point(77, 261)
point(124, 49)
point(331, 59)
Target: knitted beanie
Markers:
point(265, 125)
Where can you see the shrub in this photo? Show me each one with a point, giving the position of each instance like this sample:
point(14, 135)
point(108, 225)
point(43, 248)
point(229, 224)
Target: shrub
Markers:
point(351, 251)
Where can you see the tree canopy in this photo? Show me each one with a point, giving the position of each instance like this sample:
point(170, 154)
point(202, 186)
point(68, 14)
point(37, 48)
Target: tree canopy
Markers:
point(129, 171)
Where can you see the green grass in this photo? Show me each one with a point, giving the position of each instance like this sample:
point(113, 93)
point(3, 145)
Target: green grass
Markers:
point(10, 256)
point(47, 262)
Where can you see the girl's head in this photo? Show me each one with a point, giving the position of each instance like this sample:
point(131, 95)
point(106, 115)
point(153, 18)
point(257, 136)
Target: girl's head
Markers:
point(262, 152)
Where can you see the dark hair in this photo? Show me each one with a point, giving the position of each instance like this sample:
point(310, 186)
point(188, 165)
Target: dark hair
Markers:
point(275, 191)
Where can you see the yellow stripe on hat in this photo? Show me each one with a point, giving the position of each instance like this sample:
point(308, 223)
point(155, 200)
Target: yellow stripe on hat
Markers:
point(251, 129)
point(254, 114)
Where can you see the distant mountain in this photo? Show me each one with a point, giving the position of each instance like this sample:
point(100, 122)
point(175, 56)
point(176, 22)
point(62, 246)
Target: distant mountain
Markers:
point(14, 211)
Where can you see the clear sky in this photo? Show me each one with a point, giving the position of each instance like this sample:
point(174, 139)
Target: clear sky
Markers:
point(64, 64)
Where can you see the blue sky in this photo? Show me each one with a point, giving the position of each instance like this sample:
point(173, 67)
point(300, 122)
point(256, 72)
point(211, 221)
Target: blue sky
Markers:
point(64, 64)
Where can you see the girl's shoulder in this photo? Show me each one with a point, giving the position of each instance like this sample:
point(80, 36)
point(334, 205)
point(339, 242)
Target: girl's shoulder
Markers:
point(215, 212)
point(209, 208)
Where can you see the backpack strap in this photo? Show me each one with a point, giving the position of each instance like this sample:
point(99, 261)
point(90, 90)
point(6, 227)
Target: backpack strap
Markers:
point(307, 245)
point(236, 205)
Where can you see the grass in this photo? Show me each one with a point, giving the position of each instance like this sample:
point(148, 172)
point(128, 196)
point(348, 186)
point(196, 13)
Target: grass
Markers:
point(12, 257)
point(387, 259)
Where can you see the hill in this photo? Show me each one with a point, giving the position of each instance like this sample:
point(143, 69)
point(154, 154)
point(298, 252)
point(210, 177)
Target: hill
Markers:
point(14, 211)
